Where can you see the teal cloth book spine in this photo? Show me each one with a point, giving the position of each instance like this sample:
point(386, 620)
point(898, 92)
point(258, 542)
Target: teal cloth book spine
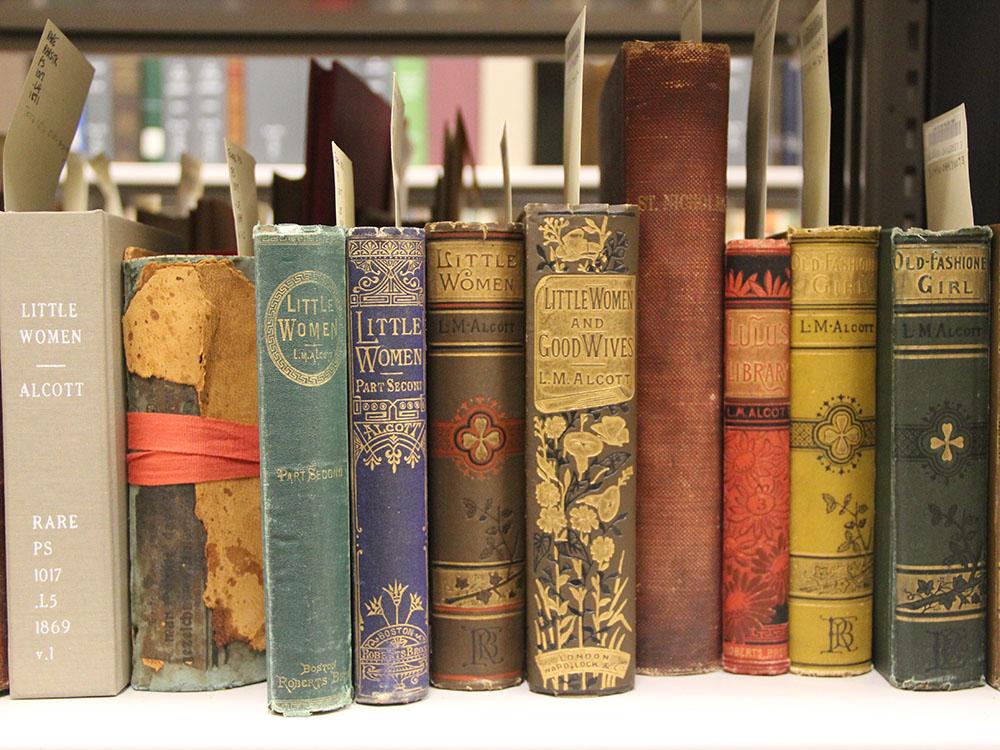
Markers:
point(301, 351)
point(933, 458)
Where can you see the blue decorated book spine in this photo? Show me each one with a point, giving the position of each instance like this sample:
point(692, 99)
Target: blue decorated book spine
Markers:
point(388, 405)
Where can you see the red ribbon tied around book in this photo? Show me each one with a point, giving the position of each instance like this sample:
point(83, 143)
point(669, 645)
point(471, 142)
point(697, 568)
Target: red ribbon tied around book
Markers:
point(188, 449)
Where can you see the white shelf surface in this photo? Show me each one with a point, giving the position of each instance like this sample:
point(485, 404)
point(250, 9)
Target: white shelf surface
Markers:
point(537, 177)
point(706, 711)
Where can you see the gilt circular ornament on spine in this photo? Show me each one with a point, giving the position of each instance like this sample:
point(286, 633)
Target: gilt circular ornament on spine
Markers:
point(841, 434)
point(303, 328)
point(946, 441)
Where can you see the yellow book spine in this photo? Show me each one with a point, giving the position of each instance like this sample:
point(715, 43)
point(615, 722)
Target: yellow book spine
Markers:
point(833, 450)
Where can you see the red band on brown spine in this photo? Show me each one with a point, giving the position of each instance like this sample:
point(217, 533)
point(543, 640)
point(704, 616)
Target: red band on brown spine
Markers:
point(166, 449)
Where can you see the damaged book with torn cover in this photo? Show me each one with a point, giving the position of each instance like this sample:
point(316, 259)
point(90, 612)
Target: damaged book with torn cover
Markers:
point(194, 490)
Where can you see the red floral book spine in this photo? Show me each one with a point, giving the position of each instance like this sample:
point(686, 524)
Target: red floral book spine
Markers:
point(757, 454)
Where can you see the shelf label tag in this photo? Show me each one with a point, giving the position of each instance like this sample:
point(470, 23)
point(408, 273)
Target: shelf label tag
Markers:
point(109, 190)
point(191, 186)
point(243, 194)
point(508, 195)
point(400, 151)
point(343, 187)
point(691, 22)
point(947, 188)
point(573, 108)
point(44, 122)
point(75, 188)
point(816, 114)
point(758, 116)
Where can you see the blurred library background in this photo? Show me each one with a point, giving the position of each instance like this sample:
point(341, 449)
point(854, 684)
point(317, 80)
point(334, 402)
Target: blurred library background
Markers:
point(179, 76)
point(144, 111)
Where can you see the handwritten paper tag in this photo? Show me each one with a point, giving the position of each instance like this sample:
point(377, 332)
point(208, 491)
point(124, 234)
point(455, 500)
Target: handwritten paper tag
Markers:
point(343, 186)
point(508, 195)
point(44, 122)
point(398, 147)
point(75, 189)
point(947, 188)
point(191, 186)
point(243, 194)
point(816, 114)
point(691, 22)
point(109, 190)
point(573, 108)
point(758, 117)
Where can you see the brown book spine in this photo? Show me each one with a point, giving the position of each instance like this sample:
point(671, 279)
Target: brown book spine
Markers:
point(286, 199)
point(664, 119)
point(212, 228)
point(993, 612)
point(595, 75)
point(580, 447)
point(475, 348)
point(126, 86)
point(757, 448)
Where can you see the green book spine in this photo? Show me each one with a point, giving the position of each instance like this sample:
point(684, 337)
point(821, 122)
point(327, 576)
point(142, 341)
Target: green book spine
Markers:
point(933, 458)
point(302, 376)
point(152, 136)
point(411, 73)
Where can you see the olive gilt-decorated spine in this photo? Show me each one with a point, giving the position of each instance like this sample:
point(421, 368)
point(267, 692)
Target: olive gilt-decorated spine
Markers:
point(197, 614)
point(301, 355)
point(388, 408)
point(934, 459)
point(581, 264)
point(833, 450)
point(756, 453)
point(475, 348)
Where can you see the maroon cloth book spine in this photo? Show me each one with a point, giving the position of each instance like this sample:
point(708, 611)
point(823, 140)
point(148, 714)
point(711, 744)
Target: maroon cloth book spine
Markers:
point(207, 230)
point(212, 229)
point(343, 109)
point(664, 120)
point(757, 455)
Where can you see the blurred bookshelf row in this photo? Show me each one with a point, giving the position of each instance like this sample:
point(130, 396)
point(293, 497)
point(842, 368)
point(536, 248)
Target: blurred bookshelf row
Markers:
point(145, 111)
point(384, 27)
